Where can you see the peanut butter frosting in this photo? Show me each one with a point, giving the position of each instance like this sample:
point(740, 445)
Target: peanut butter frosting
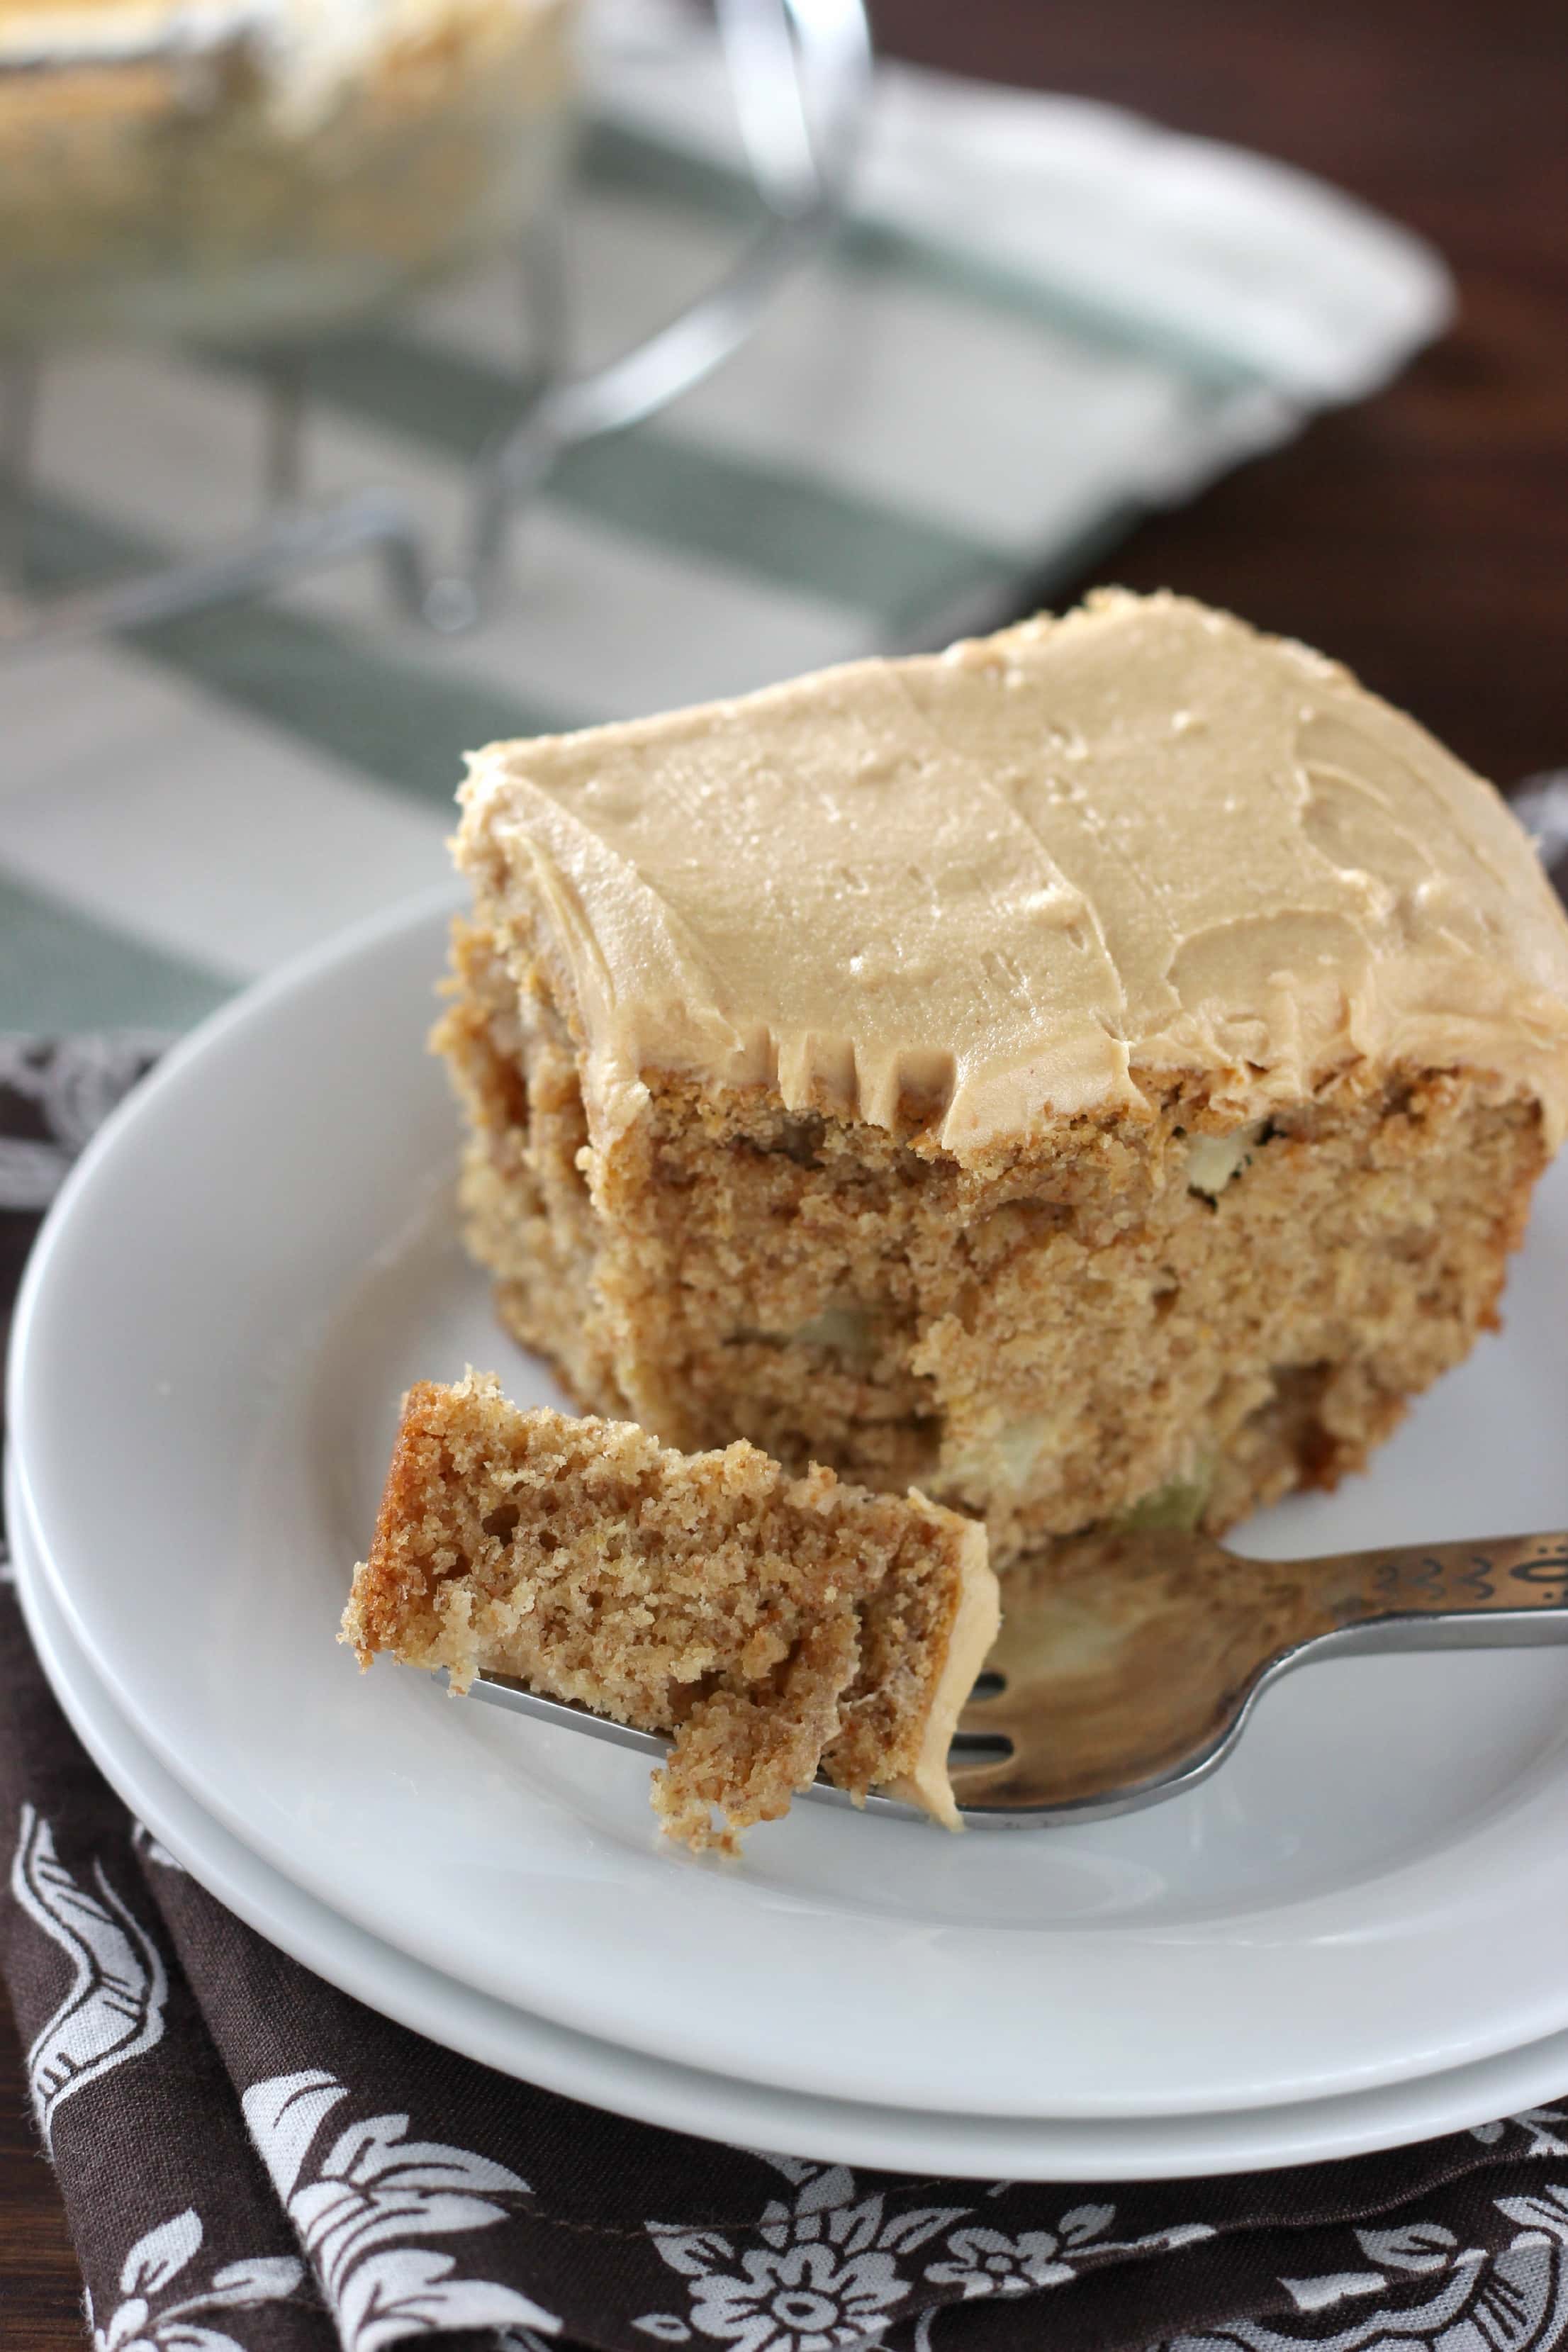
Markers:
point(1037, 874)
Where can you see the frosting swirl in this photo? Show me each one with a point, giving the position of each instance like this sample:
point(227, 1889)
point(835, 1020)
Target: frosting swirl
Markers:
point(1035, 875)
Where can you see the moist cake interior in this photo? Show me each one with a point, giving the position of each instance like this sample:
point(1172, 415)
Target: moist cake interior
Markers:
point(1098, 1071)
point(774, 1625)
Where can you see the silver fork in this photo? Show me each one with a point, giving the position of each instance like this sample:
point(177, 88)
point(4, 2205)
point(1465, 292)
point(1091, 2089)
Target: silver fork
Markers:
point(1129, 1665)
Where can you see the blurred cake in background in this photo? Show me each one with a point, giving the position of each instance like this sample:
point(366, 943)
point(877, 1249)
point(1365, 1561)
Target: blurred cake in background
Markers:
point(262, 167)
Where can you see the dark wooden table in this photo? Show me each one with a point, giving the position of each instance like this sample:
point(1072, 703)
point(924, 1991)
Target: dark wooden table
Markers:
point(1422, 538)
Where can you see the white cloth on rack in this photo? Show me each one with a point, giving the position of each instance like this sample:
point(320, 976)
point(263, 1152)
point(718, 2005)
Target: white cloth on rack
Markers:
point(1042, 316)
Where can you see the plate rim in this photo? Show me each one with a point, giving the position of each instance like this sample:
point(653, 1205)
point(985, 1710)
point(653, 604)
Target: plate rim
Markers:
point(560, 2059)
point(341, 957)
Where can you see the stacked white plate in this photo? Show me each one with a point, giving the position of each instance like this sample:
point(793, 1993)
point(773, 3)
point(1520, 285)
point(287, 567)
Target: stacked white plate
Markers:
point(1350, 1937)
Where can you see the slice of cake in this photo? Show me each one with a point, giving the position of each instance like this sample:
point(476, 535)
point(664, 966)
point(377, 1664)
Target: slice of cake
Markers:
point(1101, 1069)
point(775, 1625)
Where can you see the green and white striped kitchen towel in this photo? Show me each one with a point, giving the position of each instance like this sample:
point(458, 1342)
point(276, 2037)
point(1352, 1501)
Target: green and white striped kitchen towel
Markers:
point(1043, 315)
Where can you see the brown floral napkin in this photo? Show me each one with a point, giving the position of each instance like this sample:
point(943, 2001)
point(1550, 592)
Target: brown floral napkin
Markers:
point(252, 2162)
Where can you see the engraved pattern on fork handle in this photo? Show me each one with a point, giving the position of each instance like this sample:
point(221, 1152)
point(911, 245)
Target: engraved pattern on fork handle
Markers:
point(1440, 1595)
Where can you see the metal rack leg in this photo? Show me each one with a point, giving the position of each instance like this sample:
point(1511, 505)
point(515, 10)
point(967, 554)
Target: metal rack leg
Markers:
point(457, 599)
point(543, 287)
point(283, 448)
point(19, 377)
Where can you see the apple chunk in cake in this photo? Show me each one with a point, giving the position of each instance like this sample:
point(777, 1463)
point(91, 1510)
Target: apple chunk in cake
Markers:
point(1101, 1069)
point(773, 1624)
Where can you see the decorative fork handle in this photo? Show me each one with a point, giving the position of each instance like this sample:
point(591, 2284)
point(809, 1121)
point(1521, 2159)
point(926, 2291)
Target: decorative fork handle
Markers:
point(1079, 1745)
point(1487, 1594)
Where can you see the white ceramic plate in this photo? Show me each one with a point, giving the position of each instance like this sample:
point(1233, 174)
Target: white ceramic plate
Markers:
point(239, 1278)
point(746, 2114)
